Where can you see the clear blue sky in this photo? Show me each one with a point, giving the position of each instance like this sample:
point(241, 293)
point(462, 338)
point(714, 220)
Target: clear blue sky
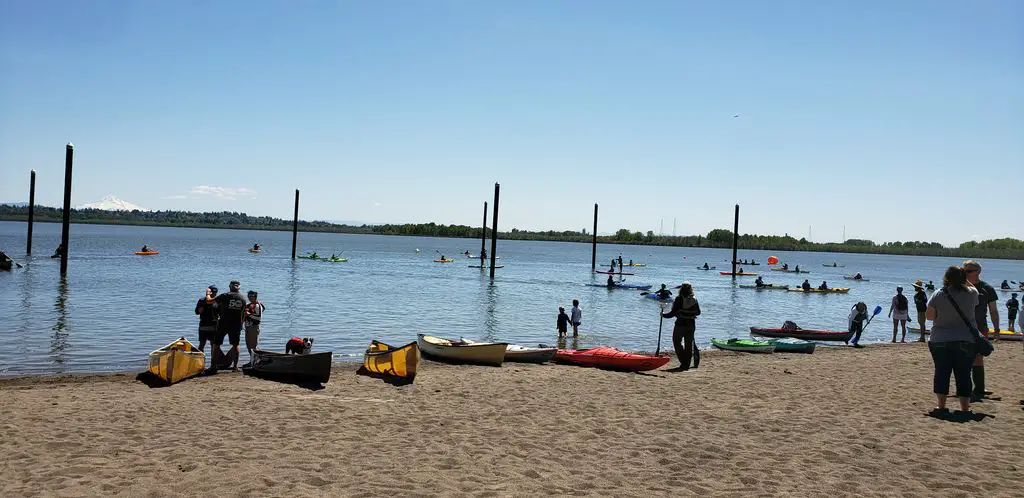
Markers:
point(900, 120)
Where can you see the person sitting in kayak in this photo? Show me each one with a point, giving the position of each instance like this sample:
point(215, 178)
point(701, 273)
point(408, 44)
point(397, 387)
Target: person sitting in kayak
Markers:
point(930, 286)
point(759, 282)
point(256, 247)
point(753, 262)
point(706, 267)
point(806, 286)
point(858, 277)
point(785, 266)
point(59, 251)
point(823, 286)
point(333, 256)
point(611, 282)
point(631, 262)
point(797, 268)
point(1004, 285)
point(145, 248)
point(664, 293)
point(466, 253)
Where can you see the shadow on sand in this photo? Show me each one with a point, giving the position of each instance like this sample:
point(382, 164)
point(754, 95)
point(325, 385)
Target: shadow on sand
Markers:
point(305, 384)
point(388, 379)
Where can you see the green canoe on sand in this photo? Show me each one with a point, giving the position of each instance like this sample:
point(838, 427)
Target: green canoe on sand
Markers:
point(744, 345)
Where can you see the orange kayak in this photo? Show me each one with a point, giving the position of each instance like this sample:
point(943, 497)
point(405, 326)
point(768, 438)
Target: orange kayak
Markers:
point(610, 358)
point(147, 253)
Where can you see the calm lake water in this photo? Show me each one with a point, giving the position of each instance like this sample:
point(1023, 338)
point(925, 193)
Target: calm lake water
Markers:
point(115, 307)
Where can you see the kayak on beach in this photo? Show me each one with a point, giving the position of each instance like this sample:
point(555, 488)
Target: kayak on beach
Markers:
point(791, 345)
point(744, 345)
point(611, 359)
point(805, 334)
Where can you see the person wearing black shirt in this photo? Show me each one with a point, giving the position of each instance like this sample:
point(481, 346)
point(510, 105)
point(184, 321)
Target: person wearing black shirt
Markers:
point(986, 306)
point(921, 302)
point(230, 306)
point(206, 308)
point(1012, 305)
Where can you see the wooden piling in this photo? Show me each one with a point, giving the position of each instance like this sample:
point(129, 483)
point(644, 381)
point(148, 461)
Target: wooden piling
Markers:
point(65, 230)
point(735, 239)
point(31, 211)
point(593, 252)
point(295, 224)
point(494, 230)
point(483, 235)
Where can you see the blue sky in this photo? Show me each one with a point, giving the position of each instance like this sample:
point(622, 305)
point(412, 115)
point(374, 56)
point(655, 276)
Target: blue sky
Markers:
point(898, 120)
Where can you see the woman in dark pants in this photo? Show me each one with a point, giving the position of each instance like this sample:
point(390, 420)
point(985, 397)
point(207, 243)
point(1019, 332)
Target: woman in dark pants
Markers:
point(952, 343)
point(685, 310)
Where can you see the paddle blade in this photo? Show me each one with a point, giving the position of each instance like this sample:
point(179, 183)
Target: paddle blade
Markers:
point(878, 309)
point(772, 260)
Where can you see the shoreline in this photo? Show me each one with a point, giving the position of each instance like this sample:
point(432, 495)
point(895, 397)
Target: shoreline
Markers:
point(951, 252)
point(841, 421)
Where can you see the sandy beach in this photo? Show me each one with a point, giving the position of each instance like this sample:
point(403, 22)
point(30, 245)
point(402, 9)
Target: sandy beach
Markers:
point(841, 422)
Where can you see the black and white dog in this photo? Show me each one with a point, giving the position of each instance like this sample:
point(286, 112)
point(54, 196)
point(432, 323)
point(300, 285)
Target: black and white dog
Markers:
point(297, 345)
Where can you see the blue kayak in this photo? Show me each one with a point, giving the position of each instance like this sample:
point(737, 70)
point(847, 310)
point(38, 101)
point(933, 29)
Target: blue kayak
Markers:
point(654, 295)
point(623, 286)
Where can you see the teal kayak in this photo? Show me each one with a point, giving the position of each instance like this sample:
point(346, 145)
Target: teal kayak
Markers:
point(791, 345)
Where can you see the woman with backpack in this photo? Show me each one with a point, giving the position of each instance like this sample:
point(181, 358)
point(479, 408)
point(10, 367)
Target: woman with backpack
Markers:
point(899, 310)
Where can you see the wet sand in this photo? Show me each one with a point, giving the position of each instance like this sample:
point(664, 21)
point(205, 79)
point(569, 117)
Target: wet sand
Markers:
point(842, 422)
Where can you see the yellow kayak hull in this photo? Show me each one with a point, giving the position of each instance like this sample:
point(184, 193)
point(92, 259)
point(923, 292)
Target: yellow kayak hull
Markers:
point(177, 361)
point(383, 359)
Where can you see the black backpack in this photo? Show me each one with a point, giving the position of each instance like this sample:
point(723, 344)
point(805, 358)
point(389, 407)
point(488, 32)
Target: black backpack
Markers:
point(901, 302)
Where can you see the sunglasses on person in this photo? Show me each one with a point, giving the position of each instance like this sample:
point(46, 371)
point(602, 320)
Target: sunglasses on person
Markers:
point(973, 270)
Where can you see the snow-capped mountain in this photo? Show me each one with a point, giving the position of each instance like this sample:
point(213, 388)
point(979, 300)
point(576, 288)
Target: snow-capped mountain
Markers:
point(111, 203)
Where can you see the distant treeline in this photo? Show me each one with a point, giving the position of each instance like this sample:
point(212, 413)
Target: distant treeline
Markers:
point(1006, 248)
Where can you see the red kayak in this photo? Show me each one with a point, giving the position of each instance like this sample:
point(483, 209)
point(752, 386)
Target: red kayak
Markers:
point(606, 272)
point(610, 358)
point(805, 334)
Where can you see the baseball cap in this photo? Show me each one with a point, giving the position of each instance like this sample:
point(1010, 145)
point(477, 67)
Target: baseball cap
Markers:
point(212, 287)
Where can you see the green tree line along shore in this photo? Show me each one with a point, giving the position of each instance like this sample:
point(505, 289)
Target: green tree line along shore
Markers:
point(1005, 248)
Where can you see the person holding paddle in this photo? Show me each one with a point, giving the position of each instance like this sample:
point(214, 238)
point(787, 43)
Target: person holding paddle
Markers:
point(685, 310)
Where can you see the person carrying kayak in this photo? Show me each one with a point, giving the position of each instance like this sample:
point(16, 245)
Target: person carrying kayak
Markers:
point(806, 286)
point(823, 286)
point(664, 293)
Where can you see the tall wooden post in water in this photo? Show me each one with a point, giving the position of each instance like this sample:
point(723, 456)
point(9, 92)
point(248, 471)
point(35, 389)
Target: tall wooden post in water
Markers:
point(295, 224)
point(31, 211)
point(494, 230)
point(593, 252)
point(65, 230)
point(735, 239)
point(483, 235)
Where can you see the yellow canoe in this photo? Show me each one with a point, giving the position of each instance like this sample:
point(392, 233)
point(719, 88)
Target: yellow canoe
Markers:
point(177, 361)
point(1006, 335)
point(388, 360)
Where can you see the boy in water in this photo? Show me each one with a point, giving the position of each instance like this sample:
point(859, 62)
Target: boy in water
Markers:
point(576, 318)
point(252, 317)
point(562, 322)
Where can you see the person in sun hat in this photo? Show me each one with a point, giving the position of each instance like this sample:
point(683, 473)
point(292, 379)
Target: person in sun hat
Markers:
point(921, 302)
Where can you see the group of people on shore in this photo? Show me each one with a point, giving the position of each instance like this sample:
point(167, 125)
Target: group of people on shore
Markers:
point(225, 315)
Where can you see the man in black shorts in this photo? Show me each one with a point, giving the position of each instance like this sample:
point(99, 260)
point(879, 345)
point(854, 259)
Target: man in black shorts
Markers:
point(206, 308)
point(230, 306)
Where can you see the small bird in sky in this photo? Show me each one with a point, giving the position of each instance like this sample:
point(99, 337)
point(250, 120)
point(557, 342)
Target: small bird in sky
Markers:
point(735, 115)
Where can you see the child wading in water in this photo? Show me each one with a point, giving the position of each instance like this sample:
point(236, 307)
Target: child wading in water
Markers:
point(563, 322)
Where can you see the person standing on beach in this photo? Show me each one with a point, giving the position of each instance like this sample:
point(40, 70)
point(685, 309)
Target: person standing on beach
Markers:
point(901, 307)
point(1012, 305)
point(986, 306)
point(252, 317)
point(231, 306)
point(206, 308)
point(576, 317)
point(685, 310)
point(921, 302)
point(858, 318)
point(562, 322)
point(952, 344)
